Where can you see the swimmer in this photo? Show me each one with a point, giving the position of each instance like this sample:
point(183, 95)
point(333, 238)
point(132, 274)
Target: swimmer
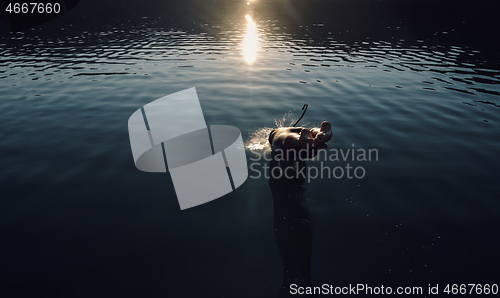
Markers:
point(306, 141)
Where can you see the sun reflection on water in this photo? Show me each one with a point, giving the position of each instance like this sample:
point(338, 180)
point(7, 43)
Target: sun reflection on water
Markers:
point(250, 41)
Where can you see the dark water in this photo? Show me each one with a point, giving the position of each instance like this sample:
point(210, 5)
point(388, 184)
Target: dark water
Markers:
point(77, 219)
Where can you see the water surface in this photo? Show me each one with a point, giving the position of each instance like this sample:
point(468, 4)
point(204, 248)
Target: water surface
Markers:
point(79, 219)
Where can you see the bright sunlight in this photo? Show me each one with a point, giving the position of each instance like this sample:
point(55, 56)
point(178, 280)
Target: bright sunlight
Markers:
point(250, 41)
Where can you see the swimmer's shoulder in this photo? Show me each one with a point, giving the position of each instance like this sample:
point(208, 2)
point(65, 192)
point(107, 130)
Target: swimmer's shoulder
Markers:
point(283, 130)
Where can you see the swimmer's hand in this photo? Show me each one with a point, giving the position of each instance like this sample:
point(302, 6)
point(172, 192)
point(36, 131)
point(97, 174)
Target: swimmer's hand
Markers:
point(314, 139)
point(322, 134)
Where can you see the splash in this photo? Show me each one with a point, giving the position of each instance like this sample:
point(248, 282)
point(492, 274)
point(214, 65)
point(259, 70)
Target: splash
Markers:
point(258, 141)
point(287, 120)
